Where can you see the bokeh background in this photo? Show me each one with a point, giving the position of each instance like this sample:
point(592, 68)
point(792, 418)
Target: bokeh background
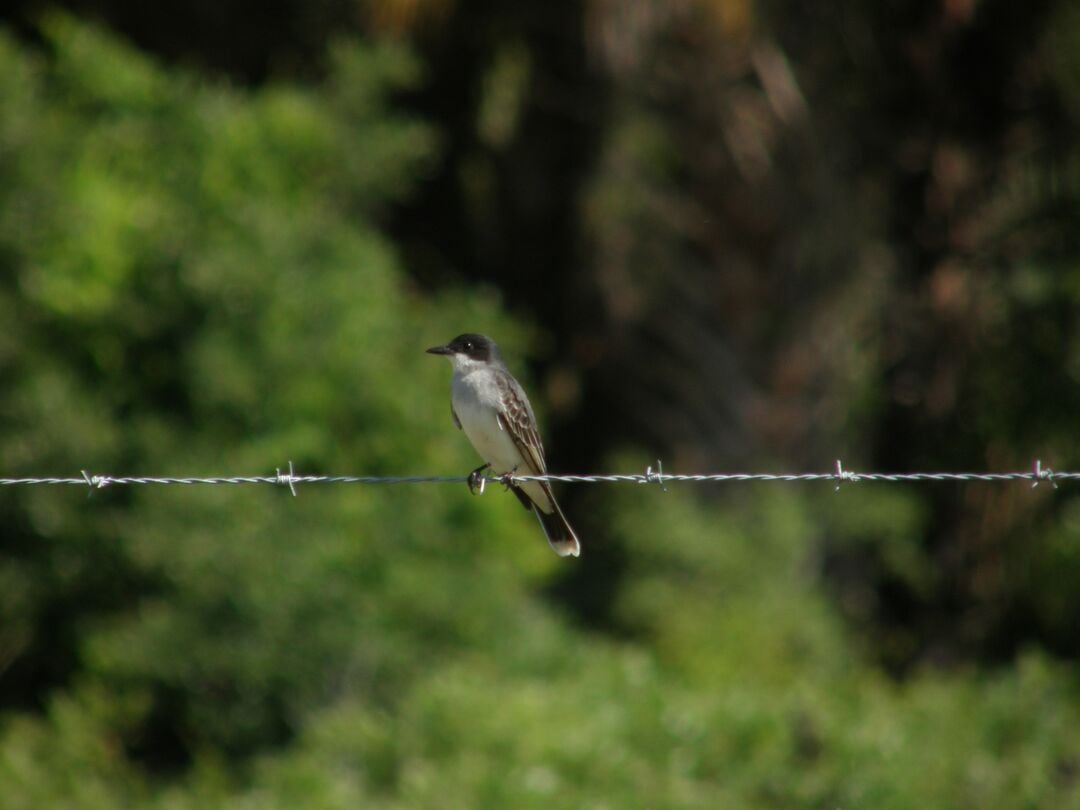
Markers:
point(731, 234)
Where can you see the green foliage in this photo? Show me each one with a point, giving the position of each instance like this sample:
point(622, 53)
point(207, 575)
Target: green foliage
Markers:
point(195, 280)
point(772, 714)
point(197, 283)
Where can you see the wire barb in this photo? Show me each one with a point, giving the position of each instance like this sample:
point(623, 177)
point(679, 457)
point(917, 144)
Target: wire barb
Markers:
point(288, 478)
point(1039, 474)
point(841, 475)
point(95, 481)
point(655, 477)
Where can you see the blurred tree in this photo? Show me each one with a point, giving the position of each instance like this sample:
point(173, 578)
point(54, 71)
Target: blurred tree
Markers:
point(195, 280)
point(953, 123)
point(782, 235)
point(756, 232)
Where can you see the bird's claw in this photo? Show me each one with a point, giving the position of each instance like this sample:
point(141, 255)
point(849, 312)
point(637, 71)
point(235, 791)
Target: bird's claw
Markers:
point(476, 479)
point(507, 479)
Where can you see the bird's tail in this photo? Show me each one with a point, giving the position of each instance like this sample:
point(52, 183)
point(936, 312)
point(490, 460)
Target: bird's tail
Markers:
point(558, 531)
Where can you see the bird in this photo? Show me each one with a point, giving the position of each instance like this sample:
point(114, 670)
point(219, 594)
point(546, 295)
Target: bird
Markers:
point(493, 411)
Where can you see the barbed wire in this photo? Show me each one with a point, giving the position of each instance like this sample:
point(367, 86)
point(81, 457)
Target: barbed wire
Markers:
point(291, 479)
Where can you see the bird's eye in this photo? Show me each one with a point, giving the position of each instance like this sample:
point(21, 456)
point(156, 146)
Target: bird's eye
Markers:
point(468, 346)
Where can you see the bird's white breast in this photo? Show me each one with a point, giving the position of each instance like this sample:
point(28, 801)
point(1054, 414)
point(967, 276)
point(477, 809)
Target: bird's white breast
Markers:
point(476, 403)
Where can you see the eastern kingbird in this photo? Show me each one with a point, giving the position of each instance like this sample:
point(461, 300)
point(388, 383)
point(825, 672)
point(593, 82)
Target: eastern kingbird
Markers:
point(490, 406)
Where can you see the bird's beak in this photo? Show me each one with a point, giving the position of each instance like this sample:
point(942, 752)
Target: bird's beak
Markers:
point(440, 350)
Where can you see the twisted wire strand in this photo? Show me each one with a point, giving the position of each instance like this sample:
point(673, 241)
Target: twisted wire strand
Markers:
point(291, 479)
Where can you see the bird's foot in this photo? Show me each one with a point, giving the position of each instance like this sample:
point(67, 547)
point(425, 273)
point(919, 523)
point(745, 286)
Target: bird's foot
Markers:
point(476, 479)
point(507, 478)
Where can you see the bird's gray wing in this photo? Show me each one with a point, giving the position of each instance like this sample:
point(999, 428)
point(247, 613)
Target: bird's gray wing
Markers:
point(517, 419)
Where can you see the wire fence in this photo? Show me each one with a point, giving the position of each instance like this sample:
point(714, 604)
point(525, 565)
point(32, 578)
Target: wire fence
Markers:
point(289, 478)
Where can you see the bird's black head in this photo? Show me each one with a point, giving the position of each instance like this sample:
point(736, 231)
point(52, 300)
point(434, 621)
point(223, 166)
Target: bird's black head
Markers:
point(475, 347)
